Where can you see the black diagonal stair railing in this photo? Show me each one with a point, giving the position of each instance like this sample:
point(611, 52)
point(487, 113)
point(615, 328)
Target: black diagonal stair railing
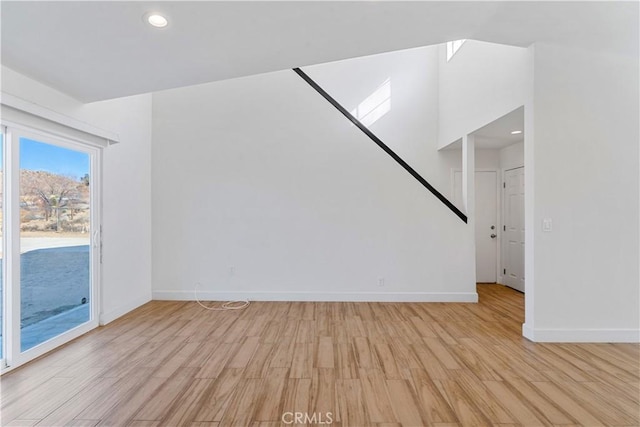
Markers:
point(381, 144)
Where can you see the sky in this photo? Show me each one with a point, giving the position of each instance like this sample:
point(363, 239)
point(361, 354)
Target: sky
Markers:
point(50, 158)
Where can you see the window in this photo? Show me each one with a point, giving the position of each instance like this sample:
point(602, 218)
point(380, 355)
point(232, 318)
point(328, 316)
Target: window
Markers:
point(452, 48)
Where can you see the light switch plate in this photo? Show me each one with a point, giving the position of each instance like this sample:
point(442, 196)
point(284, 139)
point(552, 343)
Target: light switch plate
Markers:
point(547, 225)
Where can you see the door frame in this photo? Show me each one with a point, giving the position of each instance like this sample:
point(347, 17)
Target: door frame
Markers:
point(503, 248)
point(499, 177)
point(12, 355)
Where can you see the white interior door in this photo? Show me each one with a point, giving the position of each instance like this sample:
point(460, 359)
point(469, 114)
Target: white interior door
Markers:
point(514, 229)
point(486, 226)
point(486, 222)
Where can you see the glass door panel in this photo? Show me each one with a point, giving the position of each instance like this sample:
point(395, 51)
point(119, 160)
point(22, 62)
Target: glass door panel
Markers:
point(55, 241)
point(2, 293)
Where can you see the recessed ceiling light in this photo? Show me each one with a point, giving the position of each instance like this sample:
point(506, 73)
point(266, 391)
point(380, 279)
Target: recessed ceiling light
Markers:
point(157, 20)
point(516, 132)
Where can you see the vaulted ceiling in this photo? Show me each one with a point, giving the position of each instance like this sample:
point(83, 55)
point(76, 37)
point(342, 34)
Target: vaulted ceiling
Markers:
point(95, 50)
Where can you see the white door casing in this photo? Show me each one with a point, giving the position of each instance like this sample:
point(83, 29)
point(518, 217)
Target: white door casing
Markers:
point(513, 250)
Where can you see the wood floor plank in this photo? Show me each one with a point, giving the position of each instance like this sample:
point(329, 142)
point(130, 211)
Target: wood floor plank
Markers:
point(283, 352)
point(591, 361)
point(21, 408)
point(113, 395)
point(21, 423)
point(176, 361)
point(217, 360)
point(157, 405)
point(521, 411)
point(218, 396)
point(493, 409)
point(375, 397)
point(435, 407)
point(429, 363)
point(305, 332)
point(24, 384)
point(302, 363)
point(625, 388)
point(323, 391)
point(66, 412)
point(173, 363)
point(349, 391)
point(244, 353)
point(258, 366)
point(236, 333)
point(59, 396)
point(82, 423)
point(627, 404)
point(475, 364)
point(441, 351)
point(464, 407)
point(580, 413)
point(544, 352)
point(365, 356)
point(346, 365)
point(139, 423)
point(270, 402)
point(404, 354)
point(185, 408)
point(325, 357)
point(387, 361)
point(531, 395)
point(123, 412)
point(243, 403)
point(297, 396)
point(607, 413)
point(271, 332)
point(404, 404)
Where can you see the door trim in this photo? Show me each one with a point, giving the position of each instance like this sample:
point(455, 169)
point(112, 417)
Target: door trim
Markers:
point(503, 249)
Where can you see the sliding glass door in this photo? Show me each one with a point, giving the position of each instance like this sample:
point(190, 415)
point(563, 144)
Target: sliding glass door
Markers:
point(2, 293)
point(50, 250)
point(55, 230)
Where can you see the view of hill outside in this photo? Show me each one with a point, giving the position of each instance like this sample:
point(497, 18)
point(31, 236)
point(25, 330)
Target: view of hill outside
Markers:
point(52, 203)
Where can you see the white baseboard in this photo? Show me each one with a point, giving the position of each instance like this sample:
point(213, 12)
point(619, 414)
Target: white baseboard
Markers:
point(527, 332)
point(112, 315)
point(581, 335)
point(320, 296)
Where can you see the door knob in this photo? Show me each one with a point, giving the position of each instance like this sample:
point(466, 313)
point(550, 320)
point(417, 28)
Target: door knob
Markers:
point(493, 236)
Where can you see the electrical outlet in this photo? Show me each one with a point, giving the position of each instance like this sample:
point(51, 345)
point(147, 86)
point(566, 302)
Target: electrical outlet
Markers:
point(381, 282)
point(232, 270)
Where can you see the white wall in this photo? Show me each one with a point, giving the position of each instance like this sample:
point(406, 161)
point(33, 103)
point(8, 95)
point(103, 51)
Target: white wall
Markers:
point(512, 156)
point(452, 159)
point(261, 189)
point(126, 215)
point(583, 173)
point(410, 128)
point(481, 83)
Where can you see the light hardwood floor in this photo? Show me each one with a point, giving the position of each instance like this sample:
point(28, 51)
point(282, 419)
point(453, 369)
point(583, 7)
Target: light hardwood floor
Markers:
point(368, 364)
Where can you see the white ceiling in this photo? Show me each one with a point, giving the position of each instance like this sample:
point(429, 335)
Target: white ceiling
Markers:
point(95, 50)
point(497, 134)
